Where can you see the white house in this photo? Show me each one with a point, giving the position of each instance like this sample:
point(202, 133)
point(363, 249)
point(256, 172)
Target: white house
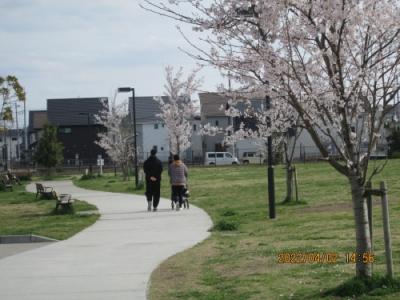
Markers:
point(11, 142)
point(152, 132)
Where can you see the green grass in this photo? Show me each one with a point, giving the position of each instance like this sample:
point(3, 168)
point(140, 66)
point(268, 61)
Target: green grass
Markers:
point(242, 263)
point(21, 213)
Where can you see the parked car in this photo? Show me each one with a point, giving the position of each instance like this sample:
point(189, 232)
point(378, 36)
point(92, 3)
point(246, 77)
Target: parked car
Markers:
point(253, 158)
point(220, 158)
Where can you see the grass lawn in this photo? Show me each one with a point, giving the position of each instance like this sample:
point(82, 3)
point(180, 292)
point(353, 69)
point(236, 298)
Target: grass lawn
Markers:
point(243, 263)
point(21, 213)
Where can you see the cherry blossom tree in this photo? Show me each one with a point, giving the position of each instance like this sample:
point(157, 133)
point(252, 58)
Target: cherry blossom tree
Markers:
point(117, 141)
point(286, 131)
point(333, 62)
point(177, 108)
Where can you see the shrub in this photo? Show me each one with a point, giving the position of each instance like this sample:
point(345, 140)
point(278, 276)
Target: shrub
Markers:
point(228, 213)
point(395, 154)
point(223, 225)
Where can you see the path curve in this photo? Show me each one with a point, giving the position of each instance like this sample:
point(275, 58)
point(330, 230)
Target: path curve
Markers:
point(112, 259)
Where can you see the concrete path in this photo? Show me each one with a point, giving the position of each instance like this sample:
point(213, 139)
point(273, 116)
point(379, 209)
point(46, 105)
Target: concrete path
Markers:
point(112, 259)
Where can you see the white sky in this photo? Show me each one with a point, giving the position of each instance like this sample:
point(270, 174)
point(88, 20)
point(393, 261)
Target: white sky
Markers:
point(88, 48)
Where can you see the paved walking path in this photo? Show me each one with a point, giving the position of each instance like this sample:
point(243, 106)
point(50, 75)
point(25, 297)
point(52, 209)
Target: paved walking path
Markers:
point(112, 259)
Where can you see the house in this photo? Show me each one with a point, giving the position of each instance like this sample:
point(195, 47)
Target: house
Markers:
point(77, 127)
point(11, 141)
point(152, 132)
point(37, 119)
point(213, 112)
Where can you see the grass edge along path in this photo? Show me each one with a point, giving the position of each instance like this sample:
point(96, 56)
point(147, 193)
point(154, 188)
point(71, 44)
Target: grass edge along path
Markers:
point(21, 213)
point(240, 259)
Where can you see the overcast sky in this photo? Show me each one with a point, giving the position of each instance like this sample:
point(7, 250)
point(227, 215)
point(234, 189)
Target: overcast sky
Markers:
point(88, 48)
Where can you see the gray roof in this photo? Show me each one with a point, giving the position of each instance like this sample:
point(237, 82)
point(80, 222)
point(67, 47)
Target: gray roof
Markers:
point(74, 111)
point(212, 102)
point(146, 109)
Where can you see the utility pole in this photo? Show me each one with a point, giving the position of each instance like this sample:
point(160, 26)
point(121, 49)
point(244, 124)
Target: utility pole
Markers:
point(16, 123)
point(25, 132)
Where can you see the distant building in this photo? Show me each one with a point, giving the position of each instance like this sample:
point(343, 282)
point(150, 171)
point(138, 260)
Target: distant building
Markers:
point(152, 132)
point(77, 127)
point(37, 119)
point(213, 107)
point(10, 142)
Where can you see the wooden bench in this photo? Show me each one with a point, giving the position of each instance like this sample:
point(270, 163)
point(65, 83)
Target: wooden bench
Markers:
point(65, 201)
point(46, 192)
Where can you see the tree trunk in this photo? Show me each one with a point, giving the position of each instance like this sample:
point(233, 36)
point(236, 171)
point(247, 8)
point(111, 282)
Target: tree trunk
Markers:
point(363, 241)
point(125, 171)
point(289, 183)
point(178, 150)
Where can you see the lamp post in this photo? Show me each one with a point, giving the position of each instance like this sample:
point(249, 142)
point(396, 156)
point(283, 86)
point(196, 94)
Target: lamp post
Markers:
point(125, 90)
point(271, 184)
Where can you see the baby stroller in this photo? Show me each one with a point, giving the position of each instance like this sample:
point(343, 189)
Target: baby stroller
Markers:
point(185, 199)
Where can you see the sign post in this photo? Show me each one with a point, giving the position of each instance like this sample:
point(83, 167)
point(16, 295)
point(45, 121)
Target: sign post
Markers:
point(100, 163)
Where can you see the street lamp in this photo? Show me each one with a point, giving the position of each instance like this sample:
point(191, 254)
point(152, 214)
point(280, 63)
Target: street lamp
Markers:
point(271, 184)
point(125, 90)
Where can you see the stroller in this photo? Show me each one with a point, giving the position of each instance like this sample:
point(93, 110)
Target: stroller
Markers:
point(185, 199)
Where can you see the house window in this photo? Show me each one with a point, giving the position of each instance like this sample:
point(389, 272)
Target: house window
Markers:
point(162, 148)
point(14, 139)
point(216, 123)
point(65, 130)
point(155, 147)
point(163, 125)
point(155, 126)
point(194, 127)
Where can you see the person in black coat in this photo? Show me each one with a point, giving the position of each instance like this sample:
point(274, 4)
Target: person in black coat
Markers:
point(153, 168)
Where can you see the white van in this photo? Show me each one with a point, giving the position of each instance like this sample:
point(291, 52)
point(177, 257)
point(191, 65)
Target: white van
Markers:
point(253, 158)
point(220, 158)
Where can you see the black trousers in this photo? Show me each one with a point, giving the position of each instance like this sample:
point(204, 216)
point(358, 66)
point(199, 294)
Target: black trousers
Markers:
point(153, 192)
point(177, 193)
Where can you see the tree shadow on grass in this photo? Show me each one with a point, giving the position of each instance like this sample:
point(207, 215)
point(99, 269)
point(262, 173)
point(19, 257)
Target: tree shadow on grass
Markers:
point(377, 286)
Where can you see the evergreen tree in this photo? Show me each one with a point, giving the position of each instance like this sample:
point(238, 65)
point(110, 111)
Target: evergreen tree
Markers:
point(49, 151)
point(394, 143)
